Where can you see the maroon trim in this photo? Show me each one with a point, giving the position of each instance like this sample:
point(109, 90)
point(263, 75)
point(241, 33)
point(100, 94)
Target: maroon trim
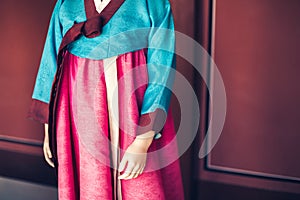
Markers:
point(90, 8)
point(153, 121)
point(93, 25)
point(39, 111)
point(90, 28)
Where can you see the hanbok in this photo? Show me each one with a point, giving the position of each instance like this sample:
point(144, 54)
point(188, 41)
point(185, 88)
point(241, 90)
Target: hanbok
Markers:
point(102, 101)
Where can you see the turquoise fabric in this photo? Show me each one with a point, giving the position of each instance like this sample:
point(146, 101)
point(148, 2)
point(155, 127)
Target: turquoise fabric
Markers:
point(137, 24)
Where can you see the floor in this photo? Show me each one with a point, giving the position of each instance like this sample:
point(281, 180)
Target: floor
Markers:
point(11, 189)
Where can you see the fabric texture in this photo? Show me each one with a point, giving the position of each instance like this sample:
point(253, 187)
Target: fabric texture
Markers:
point(83, 139)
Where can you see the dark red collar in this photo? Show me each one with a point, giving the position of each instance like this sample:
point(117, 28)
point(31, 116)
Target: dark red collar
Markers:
point(92, 27)
point(90, 8)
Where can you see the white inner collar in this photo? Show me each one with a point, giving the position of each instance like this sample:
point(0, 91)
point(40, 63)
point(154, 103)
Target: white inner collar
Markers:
point(101, 4)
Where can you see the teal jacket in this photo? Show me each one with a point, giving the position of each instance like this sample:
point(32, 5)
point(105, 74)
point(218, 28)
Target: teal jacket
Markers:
point(137, 24)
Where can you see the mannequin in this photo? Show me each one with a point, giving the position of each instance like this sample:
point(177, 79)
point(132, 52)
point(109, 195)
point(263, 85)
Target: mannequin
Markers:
point(88, 166)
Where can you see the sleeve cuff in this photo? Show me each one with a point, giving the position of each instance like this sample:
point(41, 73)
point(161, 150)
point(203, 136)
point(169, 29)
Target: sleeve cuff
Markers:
point(39, 111)
point(153, 121)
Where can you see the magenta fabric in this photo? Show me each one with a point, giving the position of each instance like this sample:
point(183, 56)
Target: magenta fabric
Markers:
point(83, 147)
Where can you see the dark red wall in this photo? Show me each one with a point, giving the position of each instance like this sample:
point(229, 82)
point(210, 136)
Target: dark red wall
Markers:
point(23, 30)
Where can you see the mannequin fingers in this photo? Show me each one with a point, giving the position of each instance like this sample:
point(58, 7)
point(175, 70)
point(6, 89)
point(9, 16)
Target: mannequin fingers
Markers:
point(50, 162)
point(131, 176)
point(122, 164)
point(136, 168)
point(134, 172)
point(127, 171)
point(139, 172)
point(47, 158)
point(135, 175)
point(124, 176)
point(142, 170)
point(49, 152)
point(46, 148)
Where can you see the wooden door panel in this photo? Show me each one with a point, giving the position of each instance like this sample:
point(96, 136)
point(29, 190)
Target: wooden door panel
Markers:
point(256, 45)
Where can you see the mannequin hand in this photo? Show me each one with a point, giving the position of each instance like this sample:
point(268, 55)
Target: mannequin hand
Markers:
point(46, 148)
point(134, 159)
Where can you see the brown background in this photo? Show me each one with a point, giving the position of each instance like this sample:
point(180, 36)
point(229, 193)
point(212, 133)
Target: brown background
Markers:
point(255, 44)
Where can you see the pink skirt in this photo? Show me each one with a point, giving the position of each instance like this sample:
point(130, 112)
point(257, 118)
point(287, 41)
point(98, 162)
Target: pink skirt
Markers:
point(84, 148)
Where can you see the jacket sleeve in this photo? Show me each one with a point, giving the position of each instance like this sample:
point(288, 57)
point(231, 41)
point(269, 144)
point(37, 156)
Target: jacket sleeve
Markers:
point(47, 69)
point(160, 62)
